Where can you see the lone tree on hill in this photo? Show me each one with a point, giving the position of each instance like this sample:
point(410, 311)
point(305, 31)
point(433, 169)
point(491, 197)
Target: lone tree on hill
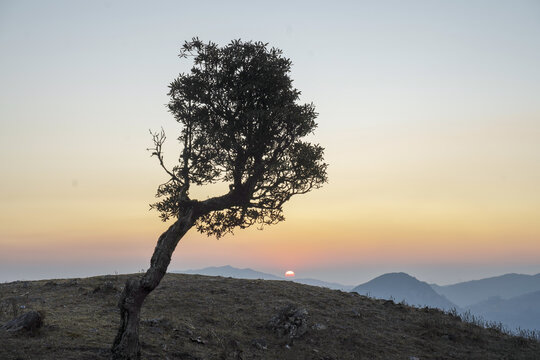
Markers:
point(241, 125)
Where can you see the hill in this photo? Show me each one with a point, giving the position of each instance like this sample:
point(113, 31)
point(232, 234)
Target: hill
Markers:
point(229, 271)
point(518, 312)
point(505, 286)
point(403, 287)
point(201, 317)
point(329, 285)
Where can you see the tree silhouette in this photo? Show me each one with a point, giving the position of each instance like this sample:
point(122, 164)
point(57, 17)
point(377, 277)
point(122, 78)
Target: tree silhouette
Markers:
point(241, 125)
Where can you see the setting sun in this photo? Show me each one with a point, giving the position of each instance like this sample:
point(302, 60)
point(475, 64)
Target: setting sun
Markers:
point(289, 273)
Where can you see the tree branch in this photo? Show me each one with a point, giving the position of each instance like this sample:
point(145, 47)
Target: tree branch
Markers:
point(159, 139)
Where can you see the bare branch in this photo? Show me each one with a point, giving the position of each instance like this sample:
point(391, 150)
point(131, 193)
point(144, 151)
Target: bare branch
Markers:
point(159, 138)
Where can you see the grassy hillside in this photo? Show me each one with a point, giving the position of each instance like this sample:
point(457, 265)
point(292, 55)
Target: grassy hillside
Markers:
point(200, 317)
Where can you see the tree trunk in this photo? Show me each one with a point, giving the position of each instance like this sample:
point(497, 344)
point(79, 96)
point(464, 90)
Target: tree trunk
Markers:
point(126, 344)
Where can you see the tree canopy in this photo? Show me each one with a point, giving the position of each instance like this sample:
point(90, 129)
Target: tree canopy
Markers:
point(242, 125)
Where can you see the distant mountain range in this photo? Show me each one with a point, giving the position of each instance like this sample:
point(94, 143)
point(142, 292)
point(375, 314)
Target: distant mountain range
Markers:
point(229, 271)
point(329, 285)
point(518, 312)
point(403, 287)
point(512, 299)
point(506, 286)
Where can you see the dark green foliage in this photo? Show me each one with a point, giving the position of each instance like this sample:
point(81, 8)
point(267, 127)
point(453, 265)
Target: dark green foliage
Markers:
point(242, 125)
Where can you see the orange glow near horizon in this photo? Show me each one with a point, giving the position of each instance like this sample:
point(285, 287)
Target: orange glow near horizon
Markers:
point(372, 233)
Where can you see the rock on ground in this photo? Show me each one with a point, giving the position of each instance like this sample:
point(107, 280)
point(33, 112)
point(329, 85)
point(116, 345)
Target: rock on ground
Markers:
point(28, 322)
point(289, 322)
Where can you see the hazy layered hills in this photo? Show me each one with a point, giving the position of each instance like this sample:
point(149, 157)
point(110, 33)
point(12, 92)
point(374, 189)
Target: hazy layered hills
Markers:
point(518, 312)
point(493, 296)
point(506, 286)
point(491, 299)
point(403, 287)
point(229, 271)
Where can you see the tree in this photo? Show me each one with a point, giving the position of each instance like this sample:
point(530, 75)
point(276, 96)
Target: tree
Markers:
point(241, 125)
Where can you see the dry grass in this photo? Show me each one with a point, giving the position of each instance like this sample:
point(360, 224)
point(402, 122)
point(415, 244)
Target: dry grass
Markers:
point(200, 317)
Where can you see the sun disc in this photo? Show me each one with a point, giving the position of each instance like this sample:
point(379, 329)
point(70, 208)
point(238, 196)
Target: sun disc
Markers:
point(289, 273)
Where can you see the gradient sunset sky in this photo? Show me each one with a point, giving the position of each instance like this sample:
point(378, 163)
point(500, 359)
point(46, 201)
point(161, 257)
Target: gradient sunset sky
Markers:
point(429, 112)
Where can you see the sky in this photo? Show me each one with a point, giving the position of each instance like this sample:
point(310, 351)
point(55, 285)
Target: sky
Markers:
point(429, 113)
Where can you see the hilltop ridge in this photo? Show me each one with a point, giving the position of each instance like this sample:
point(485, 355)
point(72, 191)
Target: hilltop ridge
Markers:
point(203, 317)
point(474, 291)
point(404, 287)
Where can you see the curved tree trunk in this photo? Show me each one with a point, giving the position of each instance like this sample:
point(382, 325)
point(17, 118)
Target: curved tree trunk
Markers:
point(126, 344)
